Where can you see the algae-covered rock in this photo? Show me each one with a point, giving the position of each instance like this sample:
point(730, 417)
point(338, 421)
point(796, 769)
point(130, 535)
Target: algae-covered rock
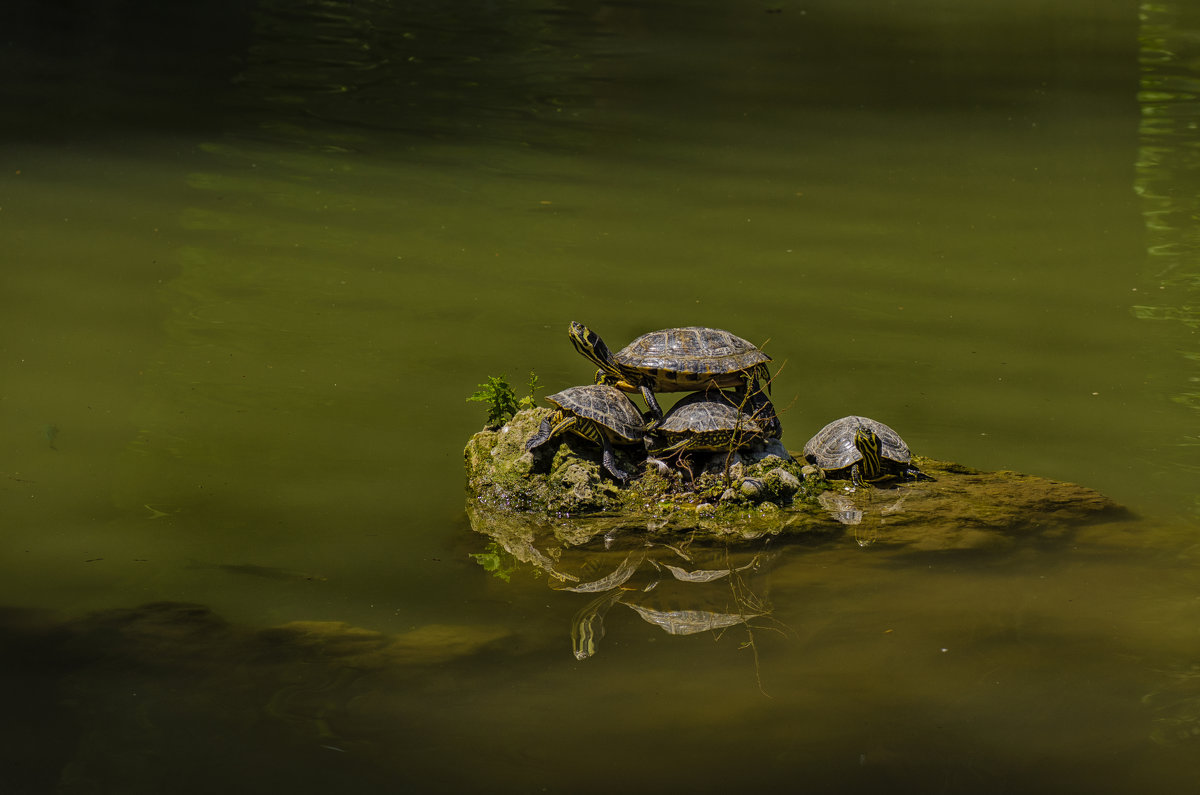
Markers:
point(501, 472)
point(561, 498)
point(965, 508)
point(566, 477)
point(563, 489)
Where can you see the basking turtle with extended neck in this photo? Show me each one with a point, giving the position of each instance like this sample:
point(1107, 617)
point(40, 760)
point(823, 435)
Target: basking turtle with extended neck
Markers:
point(676, 360)
point(863, 450)
point(597, 412)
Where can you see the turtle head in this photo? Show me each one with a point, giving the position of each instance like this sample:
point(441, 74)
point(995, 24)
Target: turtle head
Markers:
point(588, 343)
point(871, 448)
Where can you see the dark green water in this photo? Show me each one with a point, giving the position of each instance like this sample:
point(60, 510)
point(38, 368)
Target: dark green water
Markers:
point(256, 257)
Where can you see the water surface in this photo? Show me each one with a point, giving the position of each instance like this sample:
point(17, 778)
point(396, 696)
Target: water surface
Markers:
point(248, 288)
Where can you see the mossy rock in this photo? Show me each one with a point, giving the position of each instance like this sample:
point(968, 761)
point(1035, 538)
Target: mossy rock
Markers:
point(566, 477)
point(561, 493)
point(965, 508)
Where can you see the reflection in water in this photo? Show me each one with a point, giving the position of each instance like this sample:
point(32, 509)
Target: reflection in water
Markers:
point(604, 554)
point(689, 622)
point(862, 509)
point(617, 578)
point(467, 70)
point(1168, 176)
point(713, 592)
point(587, 626)
point(705, 575)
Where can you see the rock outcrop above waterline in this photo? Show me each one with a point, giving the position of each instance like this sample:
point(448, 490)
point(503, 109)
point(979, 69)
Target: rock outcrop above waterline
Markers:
point(561, 492)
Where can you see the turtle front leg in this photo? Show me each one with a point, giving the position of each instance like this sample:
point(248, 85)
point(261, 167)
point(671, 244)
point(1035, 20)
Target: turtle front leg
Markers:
point(610, 461)
point(541, 437)
point(551, 426)
point(856, 476)
point(912, 473)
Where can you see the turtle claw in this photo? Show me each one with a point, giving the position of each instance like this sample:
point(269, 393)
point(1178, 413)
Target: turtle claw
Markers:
point(913, 473)
point(541, 437)
point(856, 477)
point(610, 465)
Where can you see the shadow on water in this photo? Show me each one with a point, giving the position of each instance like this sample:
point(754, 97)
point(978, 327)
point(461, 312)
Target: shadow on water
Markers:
point(523, 71)
point(468, 71)
point(169, 697)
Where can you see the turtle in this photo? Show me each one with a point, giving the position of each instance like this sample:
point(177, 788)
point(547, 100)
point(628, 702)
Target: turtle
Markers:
point(598, 412)
point(675, 360)
point(712, 420)
point(861, 449)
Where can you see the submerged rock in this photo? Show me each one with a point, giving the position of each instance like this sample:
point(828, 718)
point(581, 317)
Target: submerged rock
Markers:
point(561, 497)
point(965, 508)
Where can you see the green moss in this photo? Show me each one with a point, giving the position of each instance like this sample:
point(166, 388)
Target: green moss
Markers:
point(562, 489)
point(566, 479)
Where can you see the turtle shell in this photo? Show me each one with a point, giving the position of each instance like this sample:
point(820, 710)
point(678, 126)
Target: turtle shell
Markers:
point(711, 417)
point(832, 448)
point(607, 406)
point(680, 359)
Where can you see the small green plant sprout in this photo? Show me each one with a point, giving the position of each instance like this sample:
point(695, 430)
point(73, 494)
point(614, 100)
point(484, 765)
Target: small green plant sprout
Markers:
point(502, 398)
point(529, 401)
